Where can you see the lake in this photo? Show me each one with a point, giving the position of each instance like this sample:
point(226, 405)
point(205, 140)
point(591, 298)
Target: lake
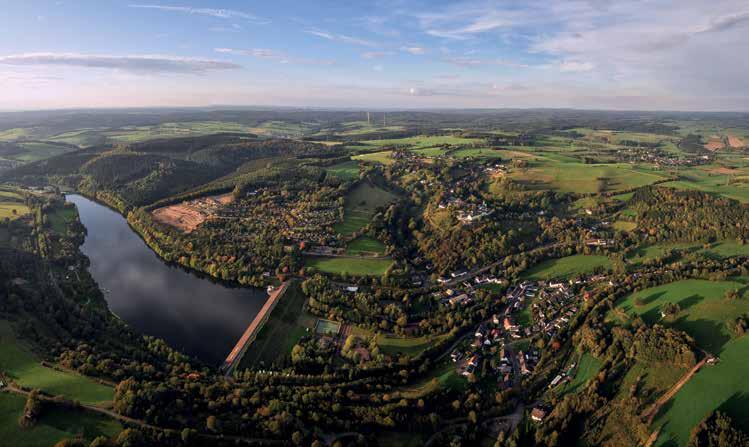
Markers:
point(193, 314)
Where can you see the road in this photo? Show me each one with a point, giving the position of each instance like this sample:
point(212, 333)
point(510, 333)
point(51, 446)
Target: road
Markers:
point(236, 354)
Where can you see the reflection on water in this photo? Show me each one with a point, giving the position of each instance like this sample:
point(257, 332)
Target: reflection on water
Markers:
point(193, 314)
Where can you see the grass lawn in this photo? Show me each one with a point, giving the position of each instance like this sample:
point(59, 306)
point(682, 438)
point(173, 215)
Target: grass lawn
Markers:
point(360, 205)
point(286, 325)
point(623, 225)
point(54, 425)
point(365, 245)
point(349, 266)
point(567, 267)
point(587, 368)
point(348, 170)
point(704, 310)
point(22, 366)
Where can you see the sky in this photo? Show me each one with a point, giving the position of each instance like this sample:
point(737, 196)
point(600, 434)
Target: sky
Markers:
point(397, 54)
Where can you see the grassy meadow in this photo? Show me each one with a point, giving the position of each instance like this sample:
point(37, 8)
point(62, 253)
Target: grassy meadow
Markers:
point(23, 367)
point(349, 266)
point(567, 267)
point(360, 205)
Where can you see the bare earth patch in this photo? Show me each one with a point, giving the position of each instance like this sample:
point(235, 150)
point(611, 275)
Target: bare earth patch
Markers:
point(735, 142)
point(723, 171)
point(715, 144)
point(187, 216)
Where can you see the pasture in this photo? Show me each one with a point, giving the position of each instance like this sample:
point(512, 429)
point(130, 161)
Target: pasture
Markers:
point(720, 387)
point(562, 268)
point(360, 205)
point(482, 153)
point(704, 309)
point(349, 266)
point(54, 425)
point(39, 150)
point(23, 367)
point(11, 205)
point(732, 183)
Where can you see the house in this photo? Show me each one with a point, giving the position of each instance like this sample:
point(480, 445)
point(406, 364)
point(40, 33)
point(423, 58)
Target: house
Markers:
point(538, 415)
point(508, 324)
point(352, 289)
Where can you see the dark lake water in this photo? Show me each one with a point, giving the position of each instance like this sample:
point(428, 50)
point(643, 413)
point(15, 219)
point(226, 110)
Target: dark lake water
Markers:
point(193, 314)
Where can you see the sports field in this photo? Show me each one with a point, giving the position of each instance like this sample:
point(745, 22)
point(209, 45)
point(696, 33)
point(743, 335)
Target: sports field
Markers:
point(567, 267)
point(327, 327)
point(365, 245)
point(23, 367)
point(349, 266)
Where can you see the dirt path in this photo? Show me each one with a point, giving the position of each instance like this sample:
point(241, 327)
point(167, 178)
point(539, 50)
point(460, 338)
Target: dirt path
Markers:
point(650, 414)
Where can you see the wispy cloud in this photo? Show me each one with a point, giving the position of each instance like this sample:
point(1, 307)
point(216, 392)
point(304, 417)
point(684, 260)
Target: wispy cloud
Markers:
point(273, 55)
point(416, 51)
point(464, 61)
point(212, 12)
point(340, 38)
point(376, 54)
point(144, 64)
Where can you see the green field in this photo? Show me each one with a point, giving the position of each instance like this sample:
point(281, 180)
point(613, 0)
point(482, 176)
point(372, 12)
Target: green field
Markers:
point(360, 205)
point(587, 368)
point(349, 266)
point(738, 189)
point(566, 174)
point(410, 346)
point(174, 130)
point(286, 325)
point(423, 141)
point(348, 170)
point(723, 249)
point(365, 245)
point(60, 218)
point(704, 310)
point(21, 365)
point(12, 209)
point(446, 377)
point(721, 387)
point(54, 425)
point(382, 157)
point(39, 150)
point(478, 153)
point(567, 267)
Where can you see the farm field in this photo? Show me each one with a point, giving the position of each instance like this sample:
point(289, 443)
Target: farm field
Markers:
point(365, 245)
point(360, 205)
point(54, 425)
point(730, 183)
point(39, 150)
point(23, 367)
point(286, 325)
point(349, 266)
point(423, 141)
point(173, 130)
point(478, 153)
point(704, 309)
point(59, 219)
point(572, 176)
point(11, 205)
point(566, 267)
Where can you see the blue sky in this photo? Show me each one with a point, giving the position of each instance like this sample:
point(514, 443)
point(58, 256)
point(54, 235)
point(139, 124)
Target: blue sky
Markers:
point(686, 55)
